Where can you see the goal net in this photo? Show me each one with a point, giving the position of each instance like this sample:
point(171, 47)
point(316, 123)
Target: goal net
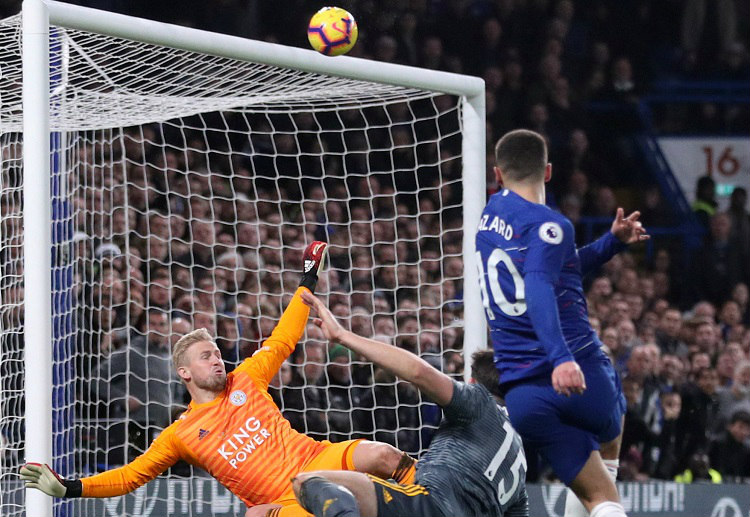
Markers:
point(184, 187)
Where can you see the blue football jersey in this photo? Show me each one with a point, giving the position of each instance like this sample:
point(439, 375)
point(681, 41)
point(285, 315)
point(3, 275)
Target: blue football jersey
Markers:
point(516, 238)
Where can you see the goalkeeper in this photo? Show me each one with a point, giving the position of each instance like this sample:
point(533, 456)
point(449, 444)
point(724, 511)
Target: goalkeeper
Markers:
point(232, 428)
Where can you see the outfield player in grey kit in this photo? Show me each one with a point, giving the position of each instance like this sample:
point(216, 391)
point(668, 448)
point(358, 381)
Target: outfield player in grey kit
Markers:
point(475, 464)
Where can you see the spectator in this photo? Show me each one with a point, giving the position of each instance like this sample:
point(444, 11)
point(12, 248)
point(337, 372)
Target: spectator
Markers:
point(730, 453)
point(741, 296)
point(641, 367)
point(698, 361)
point(700, 407)
point(137, 382)
point(671, 373)
point(735, 397)
point(349, 407)
point(619, 349)
point(205, 319)
point(160, 293)
point(654, 209)
point(636, 433)
point(489, 49)
point(739, 233)
point(596, 76)
point(605, 202)
point(667, 449)
point(407, 41)
point(733, 66)
point(304, 401)
point(228, 341)
point(510, 98)
point(178, 328)
point(725, 368)
point(705, 338)
point(386, 49)
point(397, 412)
point(699, 469)
point(705, 203)
point(704, 311)
point(703, 42)
point(730, 317)
point(622, 85)
point(432, 56)
point(718, 266)
point(282, 379)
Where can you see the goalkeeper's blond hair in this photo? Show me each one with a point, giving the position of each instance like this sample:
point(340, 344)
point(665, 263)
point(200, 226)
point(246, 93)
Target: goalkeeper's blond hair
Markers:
point(185, 342)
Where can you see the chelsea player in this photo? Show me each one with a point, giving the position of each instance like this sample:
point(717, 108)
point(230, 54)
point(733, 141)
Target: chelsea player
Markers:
point(562, 394)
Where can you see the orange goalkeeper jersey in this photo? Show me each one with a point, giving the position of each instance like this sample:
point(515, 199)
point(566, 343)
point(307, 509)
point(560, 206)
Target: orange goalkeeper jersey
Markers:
point(240, 437)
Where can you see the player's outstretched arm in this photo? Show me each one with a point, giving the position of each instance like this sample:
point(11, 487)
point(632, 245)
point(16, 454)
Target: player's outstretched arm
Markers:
point(111, 483)
point(264, 364)
point(624, 231)
point(433, 383)
point(161, 455)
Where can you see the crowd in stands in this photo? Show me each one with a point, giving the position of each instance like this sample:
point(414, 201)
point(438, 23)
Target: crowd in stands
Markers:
point(209, 240)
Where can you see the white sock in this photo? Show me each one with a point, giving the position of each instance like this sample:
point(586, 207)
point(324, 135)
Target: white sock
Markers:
point(608, 509)
point(612, 468)
point(573, 506)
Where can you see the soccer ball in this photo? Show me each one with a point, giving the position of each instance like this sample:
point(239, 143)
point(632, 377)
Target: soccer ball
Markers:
point(332, 31)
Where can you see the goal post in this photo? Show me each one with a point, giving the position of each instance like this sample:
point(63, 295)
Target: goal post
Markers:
point(131, 85)
point(37, 251)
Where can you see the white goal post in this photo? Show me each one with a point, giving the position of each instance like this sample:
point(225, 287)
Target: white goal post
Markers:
point(45, 120)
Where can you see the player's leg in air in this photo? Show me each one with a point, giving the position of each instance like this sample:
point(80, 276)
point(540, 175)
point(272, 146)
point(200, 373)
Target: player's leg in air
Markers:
point(590, 485)
point(590, 477)
point(352, 494)
point(358, 456)
point(379, 459)
point(580, 439)
point(340, 494)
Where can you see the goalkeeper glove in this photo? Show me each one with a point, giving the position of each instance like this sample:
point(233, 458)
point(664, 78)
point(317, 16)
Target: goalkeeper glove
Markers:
point(42, 477)
point(313, 262)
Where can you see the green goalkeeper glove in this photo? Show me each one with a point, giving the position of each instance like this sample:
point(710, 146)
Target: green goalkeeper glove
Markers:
point(42, 477)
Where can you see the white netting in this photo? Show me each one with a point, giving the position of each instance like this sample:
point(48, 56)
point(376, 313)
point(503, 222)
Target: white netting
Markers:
point(11, 315)
point(185, 189)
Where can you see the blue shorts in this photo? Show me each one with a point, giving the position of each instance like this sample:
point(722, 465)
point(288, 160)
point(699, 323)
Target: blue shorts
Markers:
point(566, 429)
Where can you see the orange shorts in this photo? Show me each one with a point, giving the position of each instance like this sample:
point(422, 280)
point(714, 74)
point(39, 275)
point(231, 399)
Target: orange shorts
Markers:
point(336, 456)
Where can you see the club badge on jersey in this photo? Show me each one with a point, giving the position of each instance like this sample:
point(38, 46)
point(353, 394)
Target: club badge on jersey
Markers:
point(238, 397)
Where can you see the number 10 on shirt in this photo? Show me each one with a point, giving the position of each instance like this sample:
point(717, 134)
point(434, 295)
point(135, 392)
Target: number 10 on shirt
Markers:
point(516, 308)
